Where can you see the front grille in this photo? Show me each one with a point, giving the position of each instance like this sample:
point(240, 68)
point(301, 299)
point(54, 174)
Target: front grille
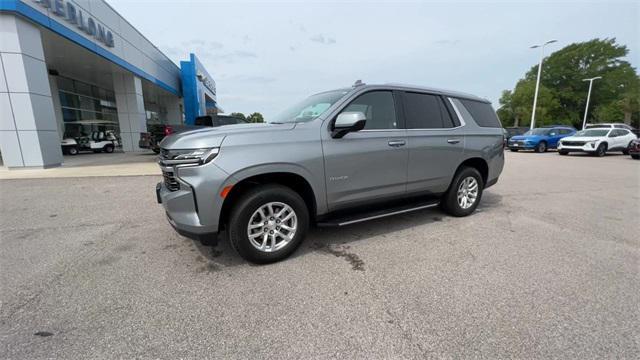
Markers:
point(170, 181)
point(573, 143)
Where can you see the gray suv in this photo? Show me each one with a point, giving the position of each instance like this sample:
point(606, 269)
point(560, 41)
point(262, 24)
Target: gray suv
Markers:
point(336, 158)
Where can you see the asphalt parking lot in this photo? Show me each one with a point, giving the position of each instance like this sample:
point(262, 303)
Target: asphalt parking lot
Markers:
point(548, 267)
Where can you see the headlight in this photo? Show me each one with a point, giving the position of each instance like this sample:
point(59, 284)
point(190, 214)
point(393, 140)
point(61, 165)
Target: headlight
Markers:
point(188, 156)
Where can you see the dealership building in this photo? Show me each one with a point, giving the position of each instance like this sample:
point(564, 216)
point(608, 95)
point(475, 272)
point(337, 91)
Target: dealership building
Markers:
point(75, 69)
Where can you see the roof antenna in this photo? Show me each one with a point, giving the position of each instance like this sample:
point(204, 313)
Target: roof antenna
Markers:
point(358, 83)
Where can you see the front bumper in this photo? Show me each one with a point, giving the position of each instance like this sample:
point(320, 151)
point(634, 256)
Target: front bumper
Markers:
point(193, 207)
point(583, 148)
point(521, 146)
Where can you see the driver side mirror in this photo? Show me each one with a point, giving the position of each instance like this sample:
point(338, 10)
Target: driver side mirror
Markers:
point(347, 122)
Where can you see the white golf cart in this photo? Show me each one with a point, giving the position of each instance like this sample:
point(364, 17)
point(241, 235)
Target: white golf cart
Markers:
point(98, 141)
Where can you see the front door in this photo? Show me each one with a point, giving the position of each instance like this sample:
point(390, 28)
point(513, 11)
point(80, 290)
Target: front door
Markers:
point(370, 164)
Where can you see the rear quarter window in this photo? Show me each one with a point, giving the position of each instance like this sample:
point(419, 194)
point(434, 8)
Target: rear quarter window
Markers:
point(482, 113)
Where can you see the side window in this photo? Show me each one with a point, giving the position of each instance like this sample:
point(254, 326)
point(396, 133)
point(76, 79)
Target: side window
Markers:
point(378, 107)
point(451, 111)
point(482, 113)
point(565, 131)
point(447, 121)
point(422, 111)
point(553, 132)
point(623, 132)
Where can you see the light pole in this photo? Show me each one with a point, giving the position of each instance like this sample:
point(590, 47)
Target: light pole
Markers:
point(535, 95)
point(586, 108)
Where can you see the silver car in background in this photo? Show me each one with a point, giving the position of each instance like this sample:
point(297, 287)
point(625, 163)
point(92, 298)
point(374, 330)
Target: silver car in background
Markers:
point(336, 158)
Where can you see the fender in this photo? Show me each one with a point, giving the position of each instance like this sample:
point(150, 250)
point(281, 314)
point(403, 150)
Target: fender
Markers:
point(281, 167)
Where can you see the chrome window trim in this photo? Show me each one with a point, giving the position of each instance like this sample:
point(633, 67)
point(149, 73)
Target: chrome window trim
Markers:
point(381, 130)
point(458, 114)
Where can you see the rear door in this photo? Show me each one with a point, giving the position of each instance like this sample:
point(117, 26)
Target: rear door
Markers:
point(436, 142)
point(621, 138)
point(371, 164)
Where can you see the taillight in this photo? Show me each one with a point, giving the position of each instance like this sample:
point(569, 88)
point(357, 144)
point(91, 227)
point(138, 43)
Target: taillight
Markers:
point(168, 130)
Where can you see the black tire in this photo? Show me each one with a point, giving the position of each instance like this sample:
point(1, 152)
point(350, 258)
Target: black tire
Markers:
point(625, 151)
point(250, 202)
point(601, 150)
point(541, 147)
point(72, 151)
point(514, 150)
point(635, 156)
point(108, 149)
point(449, 202)
point(563, 152)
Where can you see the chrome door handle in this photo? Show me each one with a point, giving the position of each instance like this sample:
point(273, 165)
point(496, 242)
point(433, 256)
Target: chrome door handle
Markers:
point(453, 141)
point(397, 143)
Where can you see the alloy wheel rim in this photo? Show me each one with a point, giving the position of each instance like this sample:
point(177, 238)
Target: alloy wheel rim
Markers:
point(272, 226)
point(468, 192)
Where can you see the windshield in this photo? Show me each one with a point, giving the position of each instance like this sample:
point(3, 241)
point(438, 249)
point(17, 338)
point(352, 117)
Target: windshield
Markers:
point(592, 132)
point(309, 108)
point(538, 132)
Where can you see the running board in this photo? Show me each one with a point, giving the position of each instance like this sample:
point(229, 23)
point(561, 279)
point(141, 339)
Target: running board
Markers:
point(361, 217)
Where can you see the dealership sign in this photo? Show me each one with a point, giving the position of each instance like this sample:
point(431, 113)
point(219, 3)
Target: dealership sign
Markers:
point(74, 15)
point(206, 82)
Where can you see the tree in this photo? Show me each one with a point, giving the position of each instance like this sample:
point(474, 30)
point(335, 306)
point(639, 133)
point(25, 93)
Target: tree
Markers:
point(505, 111)
point(517, 105)
point(563, 94)
point(611, 112)
point(238, 115)
point(255, 117)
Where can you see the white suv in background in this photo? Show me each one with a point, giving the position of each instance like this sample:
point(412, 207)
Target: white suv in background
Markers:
point(597, 141)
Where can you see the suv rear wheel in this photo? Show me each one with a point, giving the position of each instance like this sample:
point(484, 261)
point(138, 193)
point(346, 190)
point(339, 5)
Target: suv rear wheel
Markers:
point(464, 193)
point(268, 223)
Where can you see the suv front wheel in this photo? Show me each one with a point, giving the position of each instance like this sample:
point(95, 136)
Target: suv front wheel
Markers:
point(268, 223)
point(464, 193)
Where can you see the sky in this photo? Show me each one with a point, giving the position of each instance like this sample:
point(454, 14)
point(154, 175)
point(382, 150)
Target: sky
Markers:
point(267, 55)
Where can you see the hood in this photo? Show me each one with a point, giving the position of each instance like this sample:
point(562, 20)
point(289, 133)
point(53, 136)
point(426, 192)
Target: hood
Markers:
point(526, 137)
point(583, 138)
point(212, 136)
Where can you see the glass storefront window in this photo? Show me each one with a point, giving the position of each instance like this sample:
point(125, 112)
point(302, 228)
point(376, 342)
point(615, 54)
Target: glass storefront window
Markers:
point(87, 108)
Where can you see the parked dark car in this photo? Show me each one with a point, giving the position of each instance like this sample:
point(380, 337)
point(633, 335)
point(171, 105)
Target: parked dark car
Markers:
point(155, 133)
point(634, 149)
point(515, 130)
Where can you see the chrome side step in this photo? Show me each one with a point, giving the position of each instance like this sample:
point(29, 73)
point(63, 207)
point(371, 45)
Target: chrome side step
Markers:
point(357, 218)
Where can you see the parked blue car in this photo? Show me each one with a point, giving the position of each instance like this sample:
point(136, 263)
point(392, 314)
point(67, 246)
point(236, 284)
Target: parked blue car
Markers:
point(540, 139)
